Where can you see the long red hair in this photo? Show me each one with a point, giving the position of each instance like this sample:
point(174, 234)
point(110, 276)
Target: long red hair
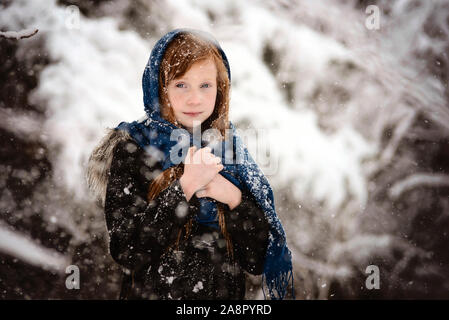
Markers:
point(183, 51)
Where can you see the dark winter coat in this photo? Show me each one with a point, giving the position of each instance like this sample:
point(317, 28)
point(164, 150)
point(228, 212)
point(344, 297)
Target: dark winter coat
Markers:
point(142, 235)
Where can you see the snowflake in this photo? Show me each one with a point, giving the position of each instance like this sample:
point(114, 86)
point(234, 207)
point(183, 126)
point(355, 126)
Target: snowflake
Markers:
point(198, 287)
point(170, 279)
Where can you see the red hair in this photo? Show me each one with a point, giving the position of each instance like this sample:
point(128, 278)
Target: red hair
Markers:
point(185, 50)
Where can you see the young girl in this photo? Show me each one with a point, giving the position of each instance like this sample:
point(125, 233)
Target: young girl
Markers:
point(187, 229)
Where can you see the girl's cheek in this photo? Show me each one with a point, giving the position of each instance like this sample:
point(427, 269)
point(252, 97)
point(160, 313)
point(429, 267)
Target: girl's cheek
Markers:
point(178, 98)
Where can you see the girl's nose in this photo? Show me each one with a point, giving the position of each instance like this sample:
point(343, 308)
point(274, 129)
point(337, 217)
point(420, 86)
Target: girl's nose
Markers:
point(194, 98)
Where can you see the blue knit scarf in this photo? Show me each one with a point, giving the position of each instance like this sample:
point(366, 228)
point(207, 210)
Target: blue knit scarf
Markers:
point(153, 134)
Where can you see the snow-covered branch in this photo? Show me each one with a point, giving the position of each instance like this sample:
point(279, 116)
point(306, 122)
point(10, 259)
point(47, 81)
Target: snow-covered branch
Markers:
point(321, 268)
point(415, 180)
point(17, 35)
point(408, 116)
point(23, 248)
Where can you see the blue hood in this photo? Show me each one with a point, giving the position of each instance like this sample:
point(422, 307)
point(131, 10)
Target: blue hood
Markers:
point(150, 79)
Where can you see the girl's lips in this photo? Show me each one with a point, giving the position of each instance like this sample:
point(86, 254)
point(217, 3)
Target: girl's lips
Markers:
point(192, 114)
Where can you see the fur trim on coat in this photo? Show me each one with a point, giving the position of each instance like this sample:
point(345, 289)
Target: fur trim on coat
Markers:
point(100, 161)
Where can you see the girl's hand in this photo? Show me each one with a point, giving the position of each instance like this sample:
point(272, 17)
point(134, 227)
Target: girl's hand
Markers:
point(200, 167)
point(220, 189)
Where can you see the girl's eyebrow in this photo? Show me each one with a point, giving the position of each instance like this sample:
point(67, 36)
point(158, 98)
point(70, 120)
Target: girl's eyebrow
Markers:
point(186, 79)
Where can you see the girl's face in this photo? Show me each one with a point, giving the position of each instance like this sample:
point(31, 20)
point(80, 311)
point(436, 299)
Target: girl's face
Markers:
point(193, 95)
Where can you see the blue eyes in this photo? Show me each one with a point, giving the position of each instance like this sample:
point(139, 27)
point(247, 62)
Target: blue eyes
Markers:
point(181, 85)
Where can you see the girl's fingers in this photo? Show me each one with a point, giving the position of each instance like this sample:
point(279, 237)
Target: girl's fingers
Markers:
point(192, 150)
point(209, 158)
point(189, 155)
point(214, 160)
